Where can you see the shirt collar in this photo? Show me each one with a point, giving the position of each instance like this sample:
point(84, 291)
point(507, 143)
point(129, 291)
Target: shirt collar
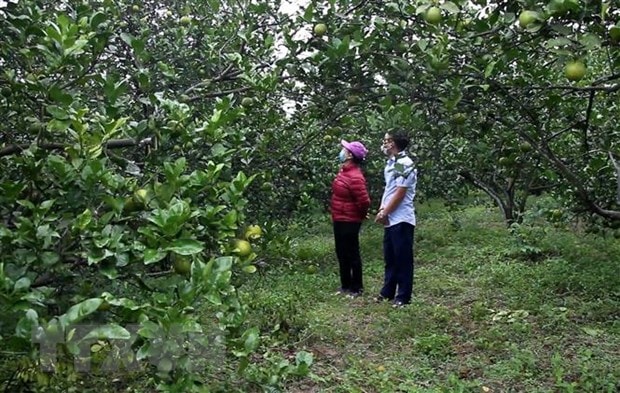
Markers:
point(398, 155)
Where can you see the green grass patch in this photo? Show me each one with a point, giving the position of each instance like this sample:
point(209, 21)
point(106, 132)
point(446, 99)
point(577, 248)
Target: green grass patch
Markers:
point(531, 308)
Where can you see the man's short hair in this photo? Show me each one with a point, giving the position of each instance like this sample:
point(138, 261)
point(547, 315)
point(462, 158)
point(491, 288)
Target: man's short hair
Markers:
point(401, 139)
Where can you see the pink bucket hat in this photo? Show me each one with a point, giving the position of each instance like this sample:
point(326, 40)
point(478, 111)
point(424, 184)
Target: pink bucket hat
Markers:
point(356, 148)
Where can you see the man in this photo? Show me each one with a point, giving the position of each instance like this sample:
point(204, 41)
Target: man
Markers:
point(397, 214)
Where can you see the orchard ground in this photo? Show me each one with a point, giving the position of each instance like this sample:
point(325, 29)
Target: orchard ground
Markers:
point(530, 309)
point(535, 310)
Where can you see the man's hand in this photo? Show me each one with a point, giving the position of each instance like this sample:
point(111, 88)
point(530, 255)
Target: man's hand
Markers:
point(381, 218)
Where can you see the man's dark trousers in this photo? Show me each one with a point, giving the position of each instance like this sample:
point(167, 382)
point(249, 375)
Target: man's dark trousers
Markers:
point(398, 256)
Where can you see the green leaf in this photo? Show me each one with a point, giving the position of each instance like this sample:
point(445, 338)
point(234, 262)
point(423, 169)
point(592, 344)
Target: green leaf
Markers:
point(590, 41)
point(186, 246)
point(79, 311)
point(109, 332)
point(60, 96)
point(97, 19)
point(422, 8)
point(152, 256)
point(304, 357)
point(591, 331)
point(223, 264)
point(76, 48)
point(303, 361)
point(147, 351)
point(450, 7)
point(423, 44)
point(214, 298)
point(174, 170)
point(22, 284)
point(489, 69)
point(558, 42)
point(127, 38)
point(57, 112)
point(309, 13)
point(82, 221)
point(49, 258)
point(149, 329)
point(249, 269)
point(251, 339)
point(562, 29)
point(26, 324)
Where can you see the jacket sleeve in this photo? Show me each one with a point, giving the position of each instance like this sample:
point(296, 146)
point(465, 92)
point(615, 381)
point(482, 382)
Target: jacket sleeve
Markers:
point(360, 194)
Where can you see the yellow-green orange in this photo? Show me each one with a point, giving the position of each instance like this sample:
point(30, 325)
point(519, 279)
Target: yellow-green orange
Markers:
point(433, 15)
point(575, 71)
point(130, 205)
point(181, 264)
point(141, 195)
point(243, 248)
point(247, 101)
point(320, 29)
point(253, 232)
point(526, 18)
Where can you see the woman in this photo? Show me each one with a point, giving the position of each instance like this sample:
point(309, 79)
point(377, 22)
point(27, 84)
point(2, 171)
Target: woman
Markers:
point(349, 207)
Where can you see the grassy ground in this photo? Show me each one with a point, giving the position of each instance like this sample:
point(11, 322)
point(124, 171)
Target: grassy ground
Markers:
point(536, 310)
point(531, 309)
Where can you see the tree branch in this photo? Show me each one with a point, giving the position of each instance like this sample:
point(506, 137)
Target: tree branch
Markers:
point(579, 189)
point(591, 88)
point(111, 144)
point(586, 123)
point(485, 188)
point(219, 93)
point(360, 5)
point(617, 168)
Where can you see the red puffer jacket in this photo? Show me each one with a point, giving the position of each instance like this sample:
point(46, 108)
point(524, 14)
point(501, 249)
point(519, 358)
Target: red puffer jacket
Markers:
point(350, 200)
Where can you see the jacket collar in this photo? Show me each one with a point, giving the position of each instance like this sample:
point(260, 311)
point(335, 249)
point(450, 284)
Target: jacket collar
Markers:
point(347, 166)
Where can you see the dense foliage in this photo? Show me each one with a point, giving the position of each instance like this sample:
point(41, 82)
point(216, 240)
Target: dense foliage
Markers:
point(140, 139)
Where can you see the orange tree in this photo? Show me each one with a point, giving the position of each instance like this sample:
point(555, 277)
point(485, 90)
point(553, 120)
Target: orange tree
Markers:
point(138, 136)
point(494, 96)
point(125, 156)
